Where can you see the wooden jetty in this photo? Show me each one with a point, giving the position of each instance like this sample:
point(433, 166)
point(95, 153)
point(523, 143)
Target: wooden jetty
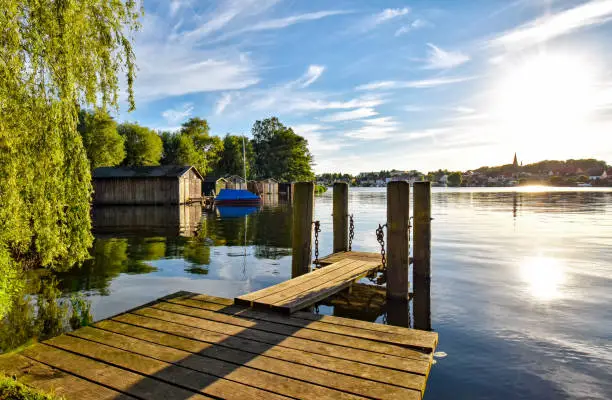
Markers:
point(193, 346)
point(306, 290)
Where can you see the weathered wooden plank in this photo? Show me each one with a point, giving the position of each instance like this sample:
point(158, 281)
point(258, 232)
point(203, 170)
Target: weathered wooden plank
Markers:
point(234, 325)
point(355, 255)
point(263, 372)
point(222, 305)
point(177, 375)
point(116, 378)
point(400, 336)
point(247, 299)
point(163, 322)
point(235, 349)
point(317, 281)
point(322, 291)
point(51, 380)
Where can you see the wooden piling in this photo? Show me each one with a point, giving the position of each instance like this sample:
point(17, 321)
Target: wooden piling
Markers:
point(422, 230)
point(421, 269)
point(398, 221)
point(340, 218)
point(303, 214)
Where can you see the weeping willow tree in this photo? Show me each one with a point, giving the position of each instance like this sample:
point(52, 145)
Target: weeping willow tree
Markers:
point(55, 57)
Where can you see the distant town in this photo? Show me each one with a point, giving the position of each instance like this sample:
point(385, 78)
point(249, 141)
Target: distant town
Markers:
point(571, 173)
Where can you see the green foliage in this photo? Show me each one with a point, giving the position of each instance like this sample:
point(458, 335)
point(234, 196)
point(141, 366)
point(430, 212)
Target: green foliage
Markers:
point(231, 160)
point(179, 149)
point(56, 56)
point(104, 145)
point(320, 189)
point(280, 153)
point(454, 179)
point(142, 145)
point(10, 389)
point(583, 179)
point(209, 147)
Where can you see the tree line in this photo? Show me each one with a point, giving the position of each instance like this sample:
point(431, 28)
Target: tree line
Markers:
point(274, 152)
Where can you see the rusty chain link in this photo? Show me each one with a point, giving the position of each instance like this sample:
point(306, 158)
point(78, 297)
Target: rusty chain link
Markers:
point(380, 237)
point(351, 232)
point(317, 229)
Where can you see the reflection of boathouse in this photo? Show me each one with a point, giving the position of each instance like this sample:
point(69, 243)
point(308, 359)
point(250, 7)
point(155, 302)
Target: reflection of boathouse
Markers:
point(183, 220)
point(167, 184)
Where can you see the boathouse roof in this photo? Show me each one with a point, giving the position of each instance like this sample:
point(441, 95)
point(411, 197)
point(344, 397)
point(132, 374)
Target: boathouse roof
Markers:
point(160, 171)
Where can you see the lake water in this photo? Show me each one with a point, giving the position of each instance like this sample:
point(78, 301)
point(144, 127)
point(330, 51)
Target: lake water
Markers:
point(521, 292)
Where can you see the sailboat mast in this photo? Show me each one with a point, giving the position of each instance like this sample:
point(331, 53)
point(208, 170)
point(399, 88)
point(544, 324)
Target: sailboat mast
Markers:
point(244, 161)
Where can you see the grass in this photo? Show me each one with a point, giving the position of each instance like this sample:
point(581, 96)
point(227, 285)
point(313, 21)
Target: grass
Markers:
point(10, 389)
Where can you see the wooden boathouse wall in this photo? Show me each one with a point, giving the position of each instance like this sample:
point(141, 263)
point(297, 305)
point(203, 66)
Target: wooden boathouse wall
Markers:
point(146, 185)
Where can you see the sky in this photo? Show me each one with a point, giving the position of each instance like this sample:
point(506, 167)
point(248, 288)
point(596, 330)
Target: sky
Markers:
point(386, 84)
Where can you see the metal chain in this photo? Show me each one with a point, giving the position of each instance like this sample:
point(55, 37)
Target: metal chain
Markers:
point(317, 229)
point(351, 232)
point(380, 237)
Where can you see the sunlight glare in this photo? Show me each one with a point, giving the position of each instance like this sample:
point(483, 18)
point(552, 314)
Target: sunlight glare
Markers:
point(546, 98)
point(544, 276)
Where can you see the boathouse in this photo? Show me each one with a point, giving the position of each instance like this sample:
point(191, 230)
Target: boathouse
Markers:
point(266, 186)
point(212, 185)
point(166, 184)
point(235, 182)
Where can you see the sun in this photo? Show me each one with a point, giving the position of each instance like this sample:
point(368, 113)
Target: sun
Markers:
point(544, 97)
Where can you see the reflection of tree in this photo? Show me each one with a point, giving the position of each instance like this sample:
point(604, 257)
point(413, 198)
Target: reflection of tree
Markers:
point(111, 257)
point(271, 230)
point(39, 313)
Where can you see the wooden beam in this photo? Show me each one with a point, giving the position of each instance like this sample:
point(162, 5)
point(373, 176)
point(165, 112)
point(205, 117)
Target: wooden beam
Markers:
point(340, 216)
point(303, 213)
point(398, 217)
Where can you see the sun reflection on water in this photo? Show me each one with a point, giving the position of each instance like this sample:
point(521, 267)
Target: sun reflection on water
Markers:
point(544, 275)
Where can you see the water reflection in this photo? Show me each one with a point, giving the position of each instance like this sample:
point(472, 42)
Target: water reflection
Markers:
point(545, 277)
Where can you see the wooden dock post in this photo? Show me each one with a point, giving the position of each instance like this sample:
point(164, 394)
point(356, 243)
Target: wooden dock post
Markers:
point(340, 212)
point(398, 222)
point(303, 213)
point(422, 229)
point(421, 269)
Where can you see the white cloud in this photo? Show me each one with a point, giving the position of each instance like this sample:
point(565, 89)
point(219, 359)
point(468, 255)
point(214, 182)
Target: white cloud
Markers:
point(177, 115)
point(222, 103)
point(441, 59)
point(414, 25)
point(390, 13)
point(294, 19)
point(375, 128)
point(593, 12)
point(358, 113)
point(320, 139)
point(226, 13)
point(312, 74)
point(419, 84)
point(170, 68)
point(385, 16)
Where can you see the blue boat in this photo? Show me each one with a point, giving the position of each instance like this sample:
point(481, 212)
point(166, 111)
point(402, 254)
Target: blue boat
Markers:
point(235, 197)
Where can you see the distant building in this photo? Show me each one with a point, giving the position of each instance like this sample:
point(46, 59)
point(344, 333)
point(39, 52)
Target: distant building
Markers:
point(167, 184)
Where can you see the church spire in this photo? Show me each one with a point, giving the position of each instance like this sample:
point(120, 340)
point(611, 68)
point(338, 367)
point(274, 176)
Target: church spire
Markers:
point(515, 163)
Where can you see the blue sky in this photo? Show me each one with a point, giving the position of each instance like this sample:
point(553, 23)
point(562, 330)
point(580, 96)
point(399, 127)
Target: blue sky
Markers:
point(386, 84)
